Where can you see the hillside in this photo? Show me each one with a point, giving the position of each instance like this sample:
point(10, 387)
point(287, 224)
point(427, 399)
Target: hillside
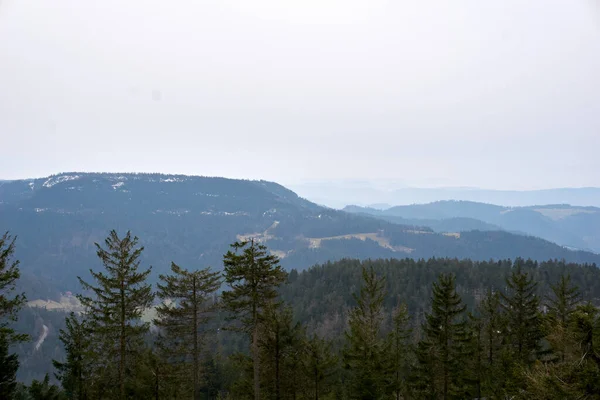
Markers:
point(572, 226)
point(192, 220)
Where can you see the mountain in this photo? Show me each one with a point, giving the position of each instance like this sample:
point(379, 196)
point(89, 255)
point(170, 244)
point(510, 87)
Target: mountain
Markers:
point(192, 220)
point(337, 194)
point(572, 226)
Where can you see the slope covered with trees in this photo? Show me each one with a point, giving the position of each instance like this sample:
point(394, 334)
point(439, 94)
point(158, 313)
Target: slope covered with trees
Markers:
point(194, 219)
point(382, 329)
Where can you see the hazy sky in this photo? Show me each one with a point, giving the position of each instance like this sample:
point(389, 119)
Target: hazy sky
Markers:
point(495, 94)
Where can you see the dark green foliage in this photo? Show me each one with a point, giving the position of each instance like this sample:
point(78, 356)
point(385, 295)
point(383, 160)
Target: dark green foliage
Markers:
point(281, 343)
point(319, 363)
point(114, 311)
point(366, 352)
point(442, 354)
point(44, 390)
point(74, 373)
point(523, 321)
point(253, 277)
point(182, 319)
point(9, 364)
point(400, 351)
point(9, 274)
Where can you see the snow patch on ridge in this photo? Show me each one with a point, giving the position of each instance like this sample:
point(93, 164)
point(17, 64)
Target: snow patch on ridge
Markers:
point(59, 179)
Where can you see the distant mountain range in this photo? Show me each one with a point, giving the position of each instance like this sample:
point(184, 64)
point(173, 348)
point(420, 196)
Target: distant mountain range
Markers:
point(572, 226)
point(192, 220)
point(337, 194)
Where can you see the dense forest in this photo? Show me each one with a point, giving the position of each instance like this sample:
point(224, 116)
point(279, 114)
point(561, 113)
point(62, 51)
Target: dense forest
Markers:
point(378, 329)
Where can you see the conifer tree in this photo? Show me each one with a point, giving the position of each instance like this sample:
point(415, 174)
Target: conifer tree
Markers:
point(9, 364)
point(75, 373)
point(561, 306)
point(182, 319)
point(489, 328)
point(279, 342)
point(441, 354)
point(521, 305)
point(400, 350)
point(10, 304)
point(114, 310)
point(319, 363)
point(366, 351)
point(253, 276)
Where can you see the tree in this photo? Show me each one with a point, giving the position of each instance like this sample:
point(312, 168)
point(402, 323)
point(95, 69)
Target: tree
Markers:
point(400, 350)
point(365, 354)
point(561, 306)
point(185, 309)
point(279, 342)
point(521, 305)
point(319, 363)
point(253, 276)
point(114, 311)
point(74, 373)
point(9, 306)
point(489, 330)
point(441, 354)
point(9, 364)
point(44, 390)
point(9, 274)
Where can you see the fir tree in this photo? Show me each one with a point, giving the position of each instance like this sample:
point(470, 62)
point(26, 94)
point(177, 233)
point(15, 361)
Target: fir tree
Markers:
point(279, 342)
point(561, 306)
point(441, 355)
point(9, 306)
point(44, 390)
point(521, 305)
point(319, 364)
point(9, 364)
point(400, 350)
point(74, 373)
point(10, 303)
point(182, 319)
point(253, 276)
point(365, 354)
point(115, 309)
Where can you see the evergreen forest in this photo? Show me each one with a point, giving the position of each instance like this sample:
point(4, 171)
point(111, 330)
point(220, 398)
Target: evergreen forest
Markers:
point(435, 328)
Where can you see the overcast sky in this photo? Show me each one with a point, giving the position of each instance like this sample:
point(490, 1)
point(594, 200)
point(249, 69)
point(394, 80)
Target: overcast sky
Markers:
point(495, 94)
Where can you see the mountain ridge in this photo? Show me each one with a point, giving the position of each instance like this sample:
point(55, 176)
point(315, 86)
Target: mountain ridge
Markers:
point(192, 220)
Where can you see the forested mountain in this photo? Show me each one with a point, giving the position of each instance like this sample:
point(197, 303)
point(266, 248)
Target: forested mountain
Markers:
point(572, 226)
point(192, 220)
point(321, 301)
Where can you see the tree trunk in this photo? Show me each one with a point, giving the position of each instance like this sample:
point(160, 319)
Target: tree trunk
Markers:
point(122, 345)
point(256, 362)
point(195, 335)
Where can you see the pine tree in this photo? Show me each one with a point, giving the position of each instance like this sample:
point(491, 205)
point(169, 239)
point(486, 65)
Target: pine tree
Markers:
point(400, 350)
point(521, 305)
point(489, 328)
point(319, 364)
point(44, 390)
point(9, 306)
point(253, 276)
point(114, 311)
point(561, 306)
point(9, 364)
point(182, 319)
point(74, 374)
point(366, 351)
point(9, 274)
point(279, 343)
point(441, 354)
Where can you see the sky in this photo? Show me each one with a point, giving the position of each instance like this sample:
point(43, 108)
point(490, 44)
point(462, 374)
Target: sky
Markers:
point(492, 94)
